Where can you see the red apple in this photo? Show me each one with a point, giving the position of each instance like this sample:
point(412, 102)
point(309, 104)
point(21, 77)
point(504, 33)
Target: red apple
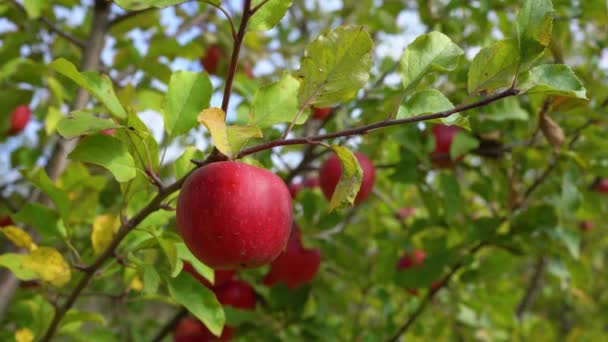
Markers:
point(221, 276)
point(586, 226)
point(404, 213)
point(5, 221)
point(233, 215)
point(236, 293)
point(190, 329)
point(411, 260)
point(444, 135)
point(602, 185)
point(211, 60)
point(310, 183)
point(331, 170)
point(19, 119)
point(320, 113)
point(296, 266)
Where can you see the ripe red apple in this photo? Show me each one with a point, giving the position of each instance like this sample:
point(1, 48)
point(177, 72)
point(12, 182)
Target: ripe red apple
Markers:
point(19, 119)
point(320, 113)
point(212, 57)
point(190, 329)
point(586, 226)
point(5, 221)
point(331, 170)
point(221, 276)
point(236, 293)
point(233, 215)
point(602, 185)
point(444, 135)
point(296, 266)
point(310, 183)
point(404, 213)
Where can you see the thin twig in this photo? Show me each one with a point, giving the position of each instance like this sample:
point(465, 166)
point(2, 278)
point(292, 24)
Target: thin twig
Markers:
point(533, 288)
point(256, 8)
point(227, 15)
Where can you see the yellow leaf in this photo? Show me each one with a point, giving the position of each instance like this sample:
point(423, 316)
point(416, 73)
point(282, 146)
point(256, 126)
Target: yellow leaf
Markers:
point(215, 120)
point(104, 229)
point(49, 264)
point(24, 335)
point(136, 284)
point(19, 237)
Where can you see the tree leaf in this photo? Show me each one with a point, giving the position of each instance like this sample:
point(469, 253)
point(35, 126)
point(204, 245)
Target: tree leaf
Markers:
point(13, 262)
point(350, 180)
point(269, 15)
point(100, 86)
point(24, 334)
point(151, 279)
point(83, 123)
point(494, 67)
point(534, 25)
point(140, 142)
point(49, 264)
point(46, 221)
point(74, 315)
point(19, 237)
point(108, 152)
point(276, 103)
point(104, 229)
point(433, 51)
point(170, 251)
point(552, 79)
point(426, 102)
point(188, 94)
point(227, 139)
point(134, 5)
point(463, 142)
point(34, 8)
point(184, 253)
point(199, 300)
point(334, 67)
point(453, 201)
point(41, 180)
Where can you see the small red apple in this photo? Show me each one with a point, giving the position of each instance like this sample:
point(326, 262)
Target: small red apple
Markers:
point(602, 185)
point(190, 329)
point(444, 135)
point(19, 119)
point(233, 215)
point(321, 113)
point(236, 293)
point(212, 57)
point(5, 221)
point(411, 260)
point(310, 183)
point(331, 170)
point(404, 213)
point(221, 276)
point(296, 266)
point(586, 226)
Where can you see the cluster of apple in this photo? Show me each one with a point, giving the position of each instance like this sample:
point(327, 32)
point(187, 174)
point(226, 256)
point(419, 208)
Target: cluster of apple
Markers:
point(20, 117)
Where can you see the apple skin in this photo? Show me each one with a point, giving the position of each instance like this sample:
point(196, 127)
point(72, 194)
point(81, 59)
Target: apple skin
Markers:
point(444, 135)
point(586, 226)
point(236, 293)
point(233, 215)
point(309, 183)
point(19, 119)
point(296, 266)
point(602, 186)
point(190, 329)
point(221, 276)
point(211, 60)
point(331, 170)
point(5, 221)
point(321, 113)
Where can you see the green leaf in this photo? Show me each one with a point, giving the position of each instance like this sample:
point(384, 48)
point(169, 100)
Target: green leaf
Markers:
point(425, 274)
point(199, 300)
point(99, 86)
point(268, 15)
point(228, 139)
point(140, 142)
point(335, 66)
point(46, 221)
point(552, 79)
point(426, 102)
point(13, 262)
point(74, 315)
point(276, 103)
point(135, 5)
point(183, 164)
point(188, 94)
point(571, 197)
point(429, 52)
point(41, 180)
point(350, 180)
point(151, 279)
point(505, 109)
point(34, 8)
point(184, 254)
point(570, 239)
point(51, 120)
point(534, 25)
point(494, 67)
point(107, 152)
point(453, 202)
point(540, 217)
point(462, 143)
point(170, 251)
point(83, 123)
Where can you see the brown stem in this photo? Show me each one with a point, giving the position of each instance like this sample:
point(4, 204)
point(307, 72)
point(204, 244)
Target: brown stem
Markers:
point(533, 288)
point(238, 41)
